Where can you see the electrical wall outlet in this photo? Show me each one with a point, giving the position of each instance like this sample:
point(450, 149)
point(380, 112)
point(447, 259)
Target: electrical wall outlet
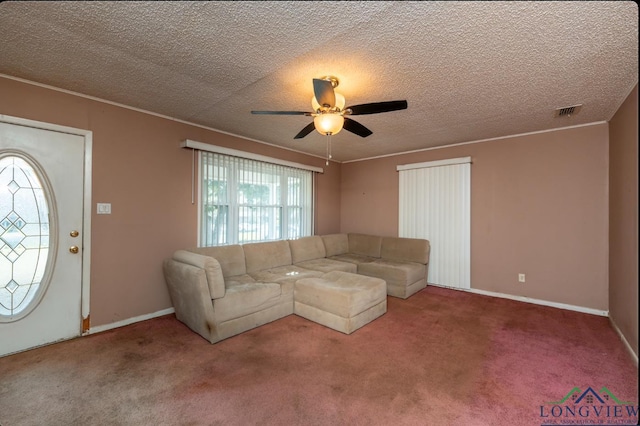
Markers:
point(521, 278)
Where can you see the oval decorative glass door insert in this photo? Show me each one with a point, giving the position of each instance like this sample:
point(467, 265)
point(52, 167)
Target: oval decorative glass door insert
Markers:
point(24, 237)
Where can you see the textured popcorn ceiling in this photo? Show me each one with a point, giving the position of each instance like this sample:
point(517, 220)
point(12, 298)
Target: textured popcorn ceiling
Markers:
point(469, 70)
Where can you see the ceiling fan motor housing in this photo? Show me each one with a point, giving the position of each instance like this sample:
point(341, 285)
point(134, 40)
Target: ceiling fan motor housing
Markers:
point(334, 80)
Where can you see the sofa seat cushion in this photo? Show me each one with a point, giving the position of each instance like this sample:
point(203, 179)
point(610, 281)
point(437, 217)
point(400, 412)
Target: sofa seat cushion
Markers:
point(341, 293)
point(243, 299)
point(239, 279)
point(353, 258)
point(284, 274)
point(394, 272)
point(328, 265)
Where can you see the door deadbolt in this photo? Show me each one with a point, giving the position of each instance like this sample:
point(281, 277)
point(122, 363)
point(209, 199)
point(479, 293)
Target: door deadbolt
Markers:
point(74, 233)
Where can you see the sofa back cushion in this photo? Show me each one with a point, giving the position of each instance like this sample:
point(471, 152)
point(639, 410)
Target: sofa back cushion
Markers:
point(267, 255)
point(335, 244)
point(406, 249)
point(231, 258)
point(366, 245)
point(211, 267)
point(307, 248)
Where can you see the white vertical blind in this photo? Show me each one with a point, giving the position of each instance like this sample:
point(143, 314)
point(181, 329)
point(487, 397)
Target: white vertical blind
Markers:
point(244, 200)
point(435, 204)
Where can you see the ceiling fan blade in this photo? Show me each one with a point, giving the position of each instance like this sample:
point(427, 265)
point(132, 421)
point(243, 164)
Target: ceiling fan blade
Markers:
point(355, 127)
point(304, 132)
point(282, 112)
point(323, 91)
point(377, 107)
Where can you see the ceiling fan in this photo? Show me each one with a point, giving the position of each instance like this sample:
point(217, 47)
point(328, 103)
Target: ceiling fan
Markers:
point(329, 112)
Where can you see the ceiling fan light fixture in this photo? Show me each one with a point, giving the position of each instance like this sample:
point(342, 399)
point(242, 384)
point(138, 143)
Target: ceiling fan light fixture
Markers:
point(329, 117)
point(328, 123)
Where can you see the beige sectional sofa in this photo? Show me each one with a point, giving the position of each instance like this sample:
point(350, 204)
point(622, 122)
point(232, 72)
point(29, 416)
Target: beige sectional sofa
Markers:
point(338, 280)
point(402, 262)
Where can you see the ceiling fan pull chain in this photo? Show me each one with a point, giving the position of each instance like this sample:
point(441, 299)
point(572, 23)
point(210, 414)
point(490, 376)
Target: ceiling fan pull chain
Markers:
point(328, 148)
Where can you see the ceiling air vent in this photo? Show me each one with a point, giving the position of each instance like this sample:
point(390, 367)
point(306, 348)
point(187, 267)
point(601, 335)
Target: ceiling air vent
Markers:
point(567, 111)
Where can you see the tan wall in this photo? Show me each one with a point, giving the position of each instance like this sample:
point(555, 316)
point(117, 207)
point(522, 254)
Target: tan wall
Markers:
point(538, 206)
point(623, 219)
point(139, 168)
point(327, 202)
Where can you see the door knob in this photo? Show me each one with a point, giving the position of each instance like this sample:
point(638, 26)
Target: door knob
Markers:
point(74, 233)
point(73, 249)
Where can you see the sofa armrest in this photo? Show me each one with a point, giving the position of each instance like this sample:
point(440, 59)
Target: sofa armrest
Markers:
point(190, 297)
point(211, 267)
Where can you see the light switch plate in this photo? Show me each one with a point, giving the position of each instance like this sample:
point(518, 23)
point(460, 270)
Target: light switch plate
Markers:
point(104, 208)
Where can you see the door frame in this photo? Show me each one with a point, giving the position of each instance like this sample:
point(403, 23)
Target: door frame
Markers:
point(86, 214)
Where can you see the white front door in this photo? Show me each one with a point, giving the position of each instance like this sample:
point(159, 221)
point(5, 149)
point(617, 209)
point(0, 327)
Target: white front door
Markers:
point(41, 235)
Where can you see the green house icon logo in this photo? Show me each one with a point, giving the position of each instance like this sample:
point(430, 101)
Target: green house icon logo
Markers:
point(589, 407)
point(590, 396)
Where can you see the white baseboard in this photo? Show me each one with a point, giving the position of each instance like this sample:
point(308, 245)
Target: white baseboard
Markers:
point(128, 321)
point(530, 300)
point(634, 356)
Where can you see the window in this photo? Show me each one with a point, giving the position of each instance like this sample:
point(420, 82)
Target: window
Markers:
point(244, 200)
point(24, 236)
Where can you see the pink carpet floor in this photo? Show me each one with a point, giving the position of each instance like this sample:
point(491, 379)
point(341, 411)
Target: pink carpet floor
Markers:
point(441, 357)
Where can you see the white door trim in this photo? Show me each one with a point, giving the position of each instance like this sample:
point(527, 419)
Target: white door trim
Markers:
point(86, 215)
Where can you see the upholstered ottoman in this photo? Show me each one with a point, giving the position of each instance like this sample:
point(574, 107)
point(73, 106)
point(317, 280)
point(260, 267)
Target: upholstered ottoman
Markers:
point(340, 300)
